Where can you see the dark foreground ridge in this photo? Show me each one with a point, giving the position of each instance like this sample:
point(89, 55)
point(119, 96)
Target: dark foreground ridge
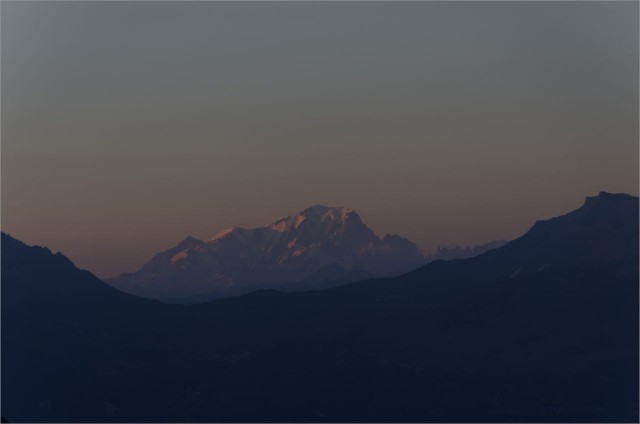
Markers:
point(543, 329)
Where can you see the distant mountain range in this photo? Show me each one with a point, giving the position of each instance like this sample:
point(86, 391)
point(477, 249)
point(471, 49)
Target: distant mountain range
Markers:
point(542, 329)
point(458, 252)
point(318, 247)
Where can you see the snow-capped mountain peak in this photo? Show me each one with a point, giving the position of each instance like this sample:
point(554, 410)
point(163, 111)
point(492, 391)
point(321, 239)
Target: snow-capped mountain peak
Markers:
point(314, 215)
point(222, 234)
point(288, 253)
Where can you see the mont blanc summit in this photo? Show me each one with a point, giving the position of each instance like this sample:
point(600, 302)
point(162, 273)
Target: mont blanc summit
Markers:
point(316, 247)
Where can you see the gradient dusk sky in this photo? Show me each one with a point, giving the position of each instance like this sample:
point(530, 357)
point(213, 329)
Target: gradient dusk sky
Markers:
point(128, 126)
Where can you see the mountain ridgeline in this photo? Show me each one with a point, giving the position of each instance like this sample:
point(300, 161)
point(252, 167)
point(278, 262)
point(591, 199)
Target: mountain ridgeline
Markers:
point(318, 247)
point(542, 329)
point(458, 252)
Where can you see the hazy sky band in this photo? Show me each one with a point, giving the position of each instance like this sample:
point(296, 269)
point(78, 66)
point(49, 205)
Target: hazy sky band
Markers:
point(127, 126)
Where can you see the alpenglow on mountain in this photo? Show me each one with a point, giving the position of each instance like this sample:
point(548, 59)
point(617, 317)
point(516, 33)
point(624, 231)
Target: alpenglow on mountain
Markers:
point(317, 247)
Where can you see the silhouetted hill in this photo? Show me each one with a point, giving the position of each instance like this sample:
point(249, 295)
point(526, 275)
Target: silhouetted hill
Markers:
point(543, 329)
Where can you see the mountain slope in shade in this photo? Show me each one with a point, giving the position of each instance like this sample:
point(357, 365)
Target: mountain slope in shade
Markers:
point(317, 247)
point(543, 329)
